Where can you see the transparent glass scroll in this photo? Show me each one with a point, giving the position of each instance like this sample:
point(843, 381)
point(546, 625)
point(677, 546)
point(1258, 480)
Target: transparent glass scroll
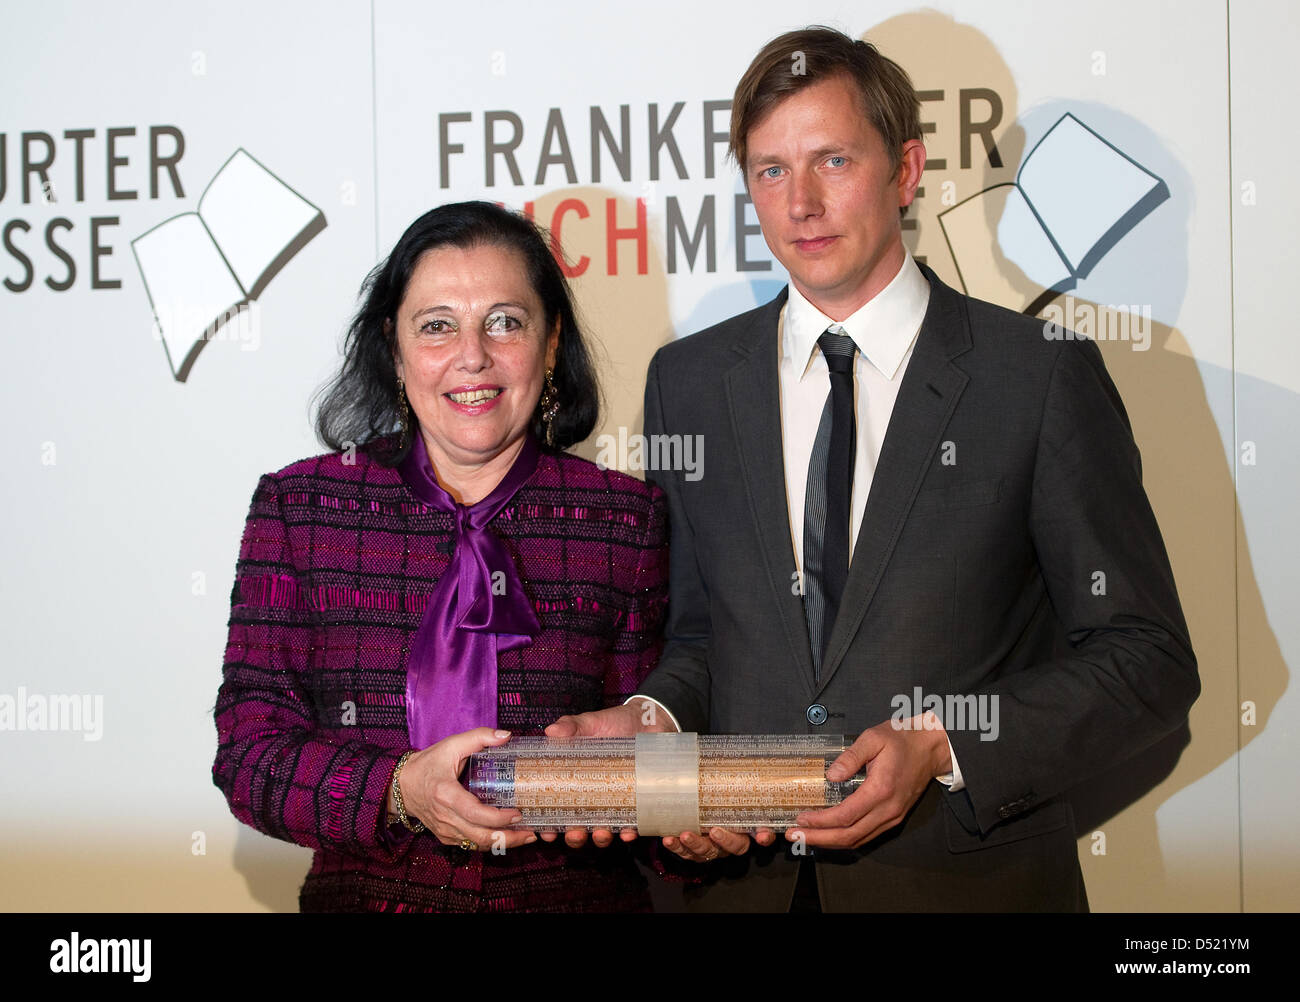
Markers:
point(736, 782)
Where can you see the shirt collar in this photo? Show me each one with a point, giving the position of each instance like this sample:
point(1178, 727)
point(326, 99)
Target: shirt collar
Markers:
point(883, 328)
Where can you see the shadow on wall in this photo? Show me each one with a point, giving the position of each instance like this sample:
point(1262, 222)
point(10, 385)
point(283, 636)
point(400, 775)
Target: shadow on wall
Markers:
point(626, 314)
point(274, 870)
point(1168, 395)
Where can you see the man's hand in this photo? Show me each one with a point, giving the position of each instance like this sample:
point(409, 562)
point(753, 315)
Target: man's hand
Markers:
point(636, 717)
point(616, 722)
point(718, 842)
point(902, 760)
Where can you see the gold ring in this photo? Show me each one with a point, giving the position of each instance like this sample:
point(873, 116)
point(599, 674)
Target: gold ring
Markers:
point(469, 844)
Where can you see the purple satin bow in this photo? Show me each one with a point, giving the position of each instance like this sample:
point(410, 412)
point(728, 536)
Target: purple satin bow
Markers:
point(478, 608)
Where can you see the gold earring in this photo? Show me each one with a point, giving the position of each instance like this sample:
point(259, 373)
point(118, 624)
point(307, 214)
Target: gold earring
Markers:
point(404, 414)
point(550, 407)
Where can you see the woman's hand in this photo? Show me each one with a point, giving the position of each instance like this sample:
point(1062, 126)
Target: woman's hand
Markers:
point(432, 793)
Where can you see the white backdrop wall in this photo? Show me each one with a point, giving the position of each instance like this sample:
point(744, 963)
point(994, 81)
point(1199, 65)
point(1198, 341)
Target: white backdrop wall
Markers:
point(126, 489)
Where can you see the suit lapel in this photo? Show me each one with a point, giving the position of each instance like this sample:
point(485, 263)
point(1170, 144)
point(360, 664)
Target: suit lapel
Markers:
point(931, 387)
point(754, 399)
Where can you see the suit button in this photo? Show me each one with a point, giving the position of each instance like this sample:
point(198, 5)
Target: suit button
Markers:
point(816, 714)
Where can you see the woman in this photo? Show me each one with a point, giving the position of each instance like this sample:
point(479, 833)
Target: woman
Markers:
point(404, 603)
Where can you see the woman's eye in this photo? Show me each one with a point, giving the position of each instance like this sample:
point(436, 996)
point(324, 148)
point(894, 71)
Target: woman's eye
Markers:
point(502, 323)
point(438, 327)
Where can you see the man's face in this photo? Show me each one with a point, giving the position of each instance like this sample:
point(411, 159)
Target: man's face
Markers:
point(827, 196)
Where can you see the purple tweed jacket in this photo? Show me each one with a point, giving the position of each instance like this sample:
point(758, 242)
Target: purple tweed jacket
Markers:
point(336, 565)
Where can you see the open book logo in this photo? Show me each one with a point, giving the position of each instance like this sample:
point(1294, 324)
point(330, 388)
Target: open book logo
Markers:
point(1074, 197)
point(203, 270)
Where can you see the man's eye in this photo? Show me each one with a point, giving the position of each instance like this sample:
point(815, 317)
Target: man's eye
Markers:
point(836, 161)
point(770, 172)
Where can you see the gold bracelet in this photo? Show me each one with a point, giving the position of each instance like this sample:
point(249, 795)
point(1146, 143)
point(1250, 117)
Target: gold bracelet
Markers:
point(402, 816)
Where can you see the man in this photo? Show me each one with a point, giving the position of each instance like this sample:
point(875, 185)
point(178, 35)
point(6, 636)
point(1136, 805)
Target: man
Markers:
point(922, 524)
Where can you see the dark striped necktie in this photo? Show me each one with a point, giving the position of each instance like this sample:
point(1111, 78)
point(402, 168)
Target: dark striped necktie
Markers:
point(826, 517)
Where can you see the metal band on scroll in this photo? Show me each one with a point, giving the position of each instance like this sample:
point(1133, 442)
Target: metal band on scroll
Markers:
point(667, 784)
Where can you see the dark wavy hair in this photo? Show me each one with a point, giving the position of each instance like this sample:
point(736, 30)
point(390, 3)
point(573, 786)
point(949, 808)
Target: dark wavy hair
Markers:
point(359, 405)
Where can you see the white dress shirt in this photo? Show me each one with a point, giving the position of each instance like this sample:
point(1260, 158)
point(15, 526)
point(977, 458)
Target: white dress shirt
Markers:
point(885, 330)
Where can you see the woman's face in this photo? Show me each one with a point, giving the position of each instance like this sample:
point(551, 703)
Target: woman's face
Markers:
point(472, 346)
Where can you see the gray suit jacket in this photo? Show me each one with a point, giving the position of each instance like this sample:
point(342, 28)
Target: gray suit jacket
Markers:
point(1008, 549)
